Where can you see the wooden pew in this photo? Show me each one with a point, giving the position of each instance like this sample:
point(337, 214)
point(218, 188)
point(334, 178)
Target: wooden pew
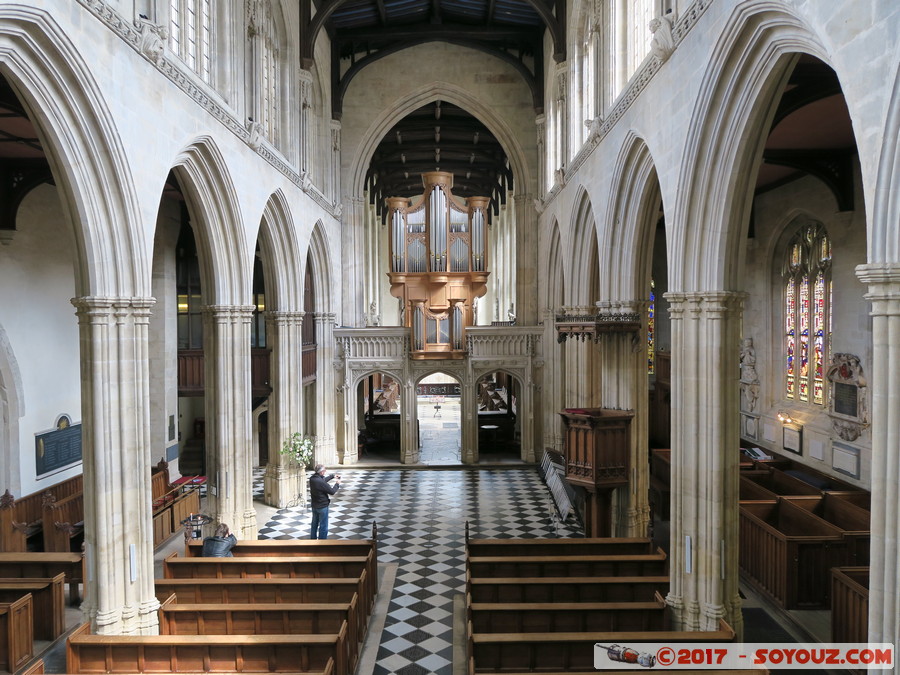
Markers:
point(48, 602)
point(290, 547)
point(567, 589)
point(265, 591)
point(320, 567)
point(36, 668)
point(21, 519)
point(569, 565)
point(87, 653)
point(850, 604)
point(569, 617)
point(42, 565)
point(587, 546)
point(264, 619)
point(779, 483)
point(786, 552)
point(16, 633)
point(63, 523)
point(852, 519)
point(564, 652)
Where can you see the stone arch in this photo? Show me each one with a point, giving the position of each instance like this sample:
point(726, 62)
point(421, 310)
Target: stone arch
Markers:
point(426, 94)
point(584, 261)
point(282, 259)
point(735, 105)
point(320, 257)
point(81, 143)
point(883, 235)
point(12, 407)
point(631, 218)
point(211, 199)
point(552, 294)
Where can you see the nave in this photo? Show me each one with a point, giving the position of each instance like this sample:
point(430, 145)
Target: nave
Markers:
point(421, 516)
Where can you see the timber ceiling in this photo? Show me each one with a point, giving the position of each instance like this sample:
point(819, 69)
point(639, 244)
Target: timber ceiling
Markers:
point(439, 137)
point(363, 31)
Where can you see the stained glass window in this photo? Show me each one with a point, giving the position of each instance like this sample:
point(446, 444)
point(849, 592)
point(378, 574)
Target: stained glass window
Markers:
point(807, 314)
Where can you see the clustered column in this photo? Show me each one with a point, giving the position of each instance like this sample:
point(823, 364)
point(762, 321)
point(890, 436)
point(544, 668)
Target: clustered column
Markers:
point(119, 598)
point(284, 335)
point(705, 441)
point(226, 339)
point(884, 566)
point(326, 392)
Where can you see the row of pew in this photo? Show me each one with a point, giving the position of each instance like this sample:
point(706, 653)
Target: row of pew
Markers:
point(32, 603)
point(52, 519)
point(540, 605)
point(276, 606)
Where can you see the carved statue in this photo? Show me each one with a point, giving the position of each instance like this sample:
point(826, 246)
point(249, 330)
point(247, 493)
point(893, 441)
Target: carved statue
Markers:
point(373, 318)
point(749, 376)
point(662, 44)
point(153, 38)
point(511, 312)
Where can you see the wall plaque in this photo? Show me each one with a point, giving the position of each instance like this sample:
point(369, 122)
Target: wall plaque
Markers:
point(845, 399)
point(58, 448)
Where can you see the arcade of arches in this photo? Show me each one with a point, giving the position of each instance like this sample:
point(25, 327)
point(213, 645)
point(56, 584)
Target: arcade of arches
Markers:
point(695, 221)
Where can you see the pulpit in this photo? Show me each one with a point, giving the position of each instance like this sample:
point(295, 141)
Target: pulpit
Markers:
point(597, 451)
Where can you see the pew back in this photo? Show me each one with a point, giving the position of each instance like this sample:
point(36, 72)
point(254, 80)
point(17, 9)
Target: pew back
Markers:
point(16, 633)
point(24, 565)
point(48, 599)
point(567, 589)
point(559, 547)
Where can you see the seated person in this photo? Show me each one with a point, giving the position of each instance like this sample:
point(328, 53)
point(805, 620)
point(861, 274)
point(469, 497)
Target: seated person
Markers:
point(220, 544)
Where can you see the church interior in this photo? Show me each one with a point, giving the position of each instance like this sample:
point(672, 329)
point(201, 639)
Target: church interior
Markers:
point(616, 280)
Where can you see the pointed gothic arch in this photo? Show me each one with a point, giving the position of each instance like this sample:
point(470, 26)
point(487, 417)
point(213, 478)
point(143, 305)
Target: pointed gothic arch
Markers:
point(225, 262)
point(281, 253)
point(584, 261)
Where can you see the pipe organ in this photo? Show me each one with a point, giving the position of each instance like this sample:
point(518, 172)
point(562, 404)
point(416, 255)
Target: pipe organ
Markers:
point(438, 264)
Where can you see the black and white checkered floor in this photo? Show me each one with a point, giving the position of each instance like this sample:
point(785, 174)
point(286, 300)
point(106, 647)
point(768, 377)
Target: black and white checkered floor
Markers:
point(421, 517)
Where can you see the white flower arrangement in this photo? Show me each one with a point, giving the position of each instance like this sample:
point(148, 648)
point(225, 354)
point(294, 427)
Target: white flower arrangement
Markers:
point(299, 448)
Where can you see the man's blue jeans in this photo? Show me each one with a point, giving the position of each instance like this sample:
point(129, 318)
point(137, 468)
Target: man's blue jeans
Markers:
point(319, 529)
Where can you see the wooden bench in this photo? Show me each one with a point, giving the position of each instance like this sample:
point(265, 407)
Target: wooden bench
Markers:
point(21, 519)
point(777, 483)
point(48, 602)
point(290, 547)
point(264, 619)
point(265, 591)
point(564, 652)
point(850, 604)
point(16, 633)
point(87, 653)
point(588, 546)
point(786, 552)
point(321, 567)
point(852, 519)
point(569, 566)
point(568, 617)
point(43, 565)
point(63, 523)
point(567, 589)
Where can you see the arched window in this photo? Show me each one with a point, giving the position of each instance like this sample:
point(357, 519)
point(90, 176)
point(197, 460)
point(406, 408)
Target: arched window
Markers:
point(262, 30)
point(639, 15)
point(807, 314)
point(190, 34)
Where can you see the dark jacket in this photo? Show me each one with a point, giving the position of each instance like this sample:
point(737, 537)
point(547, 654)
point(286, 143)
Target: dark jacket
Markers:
point(218, 547)
point(319, 489)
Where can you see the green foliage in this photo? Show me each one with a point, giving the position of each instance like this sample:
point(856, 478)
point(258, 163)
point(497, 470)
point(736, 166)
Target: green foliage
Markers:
point(299, 448)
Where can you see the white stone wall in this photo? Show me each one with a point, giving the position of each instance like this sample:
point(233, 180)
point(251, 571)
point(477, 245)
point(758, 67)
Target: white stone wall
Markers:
point(37, 280)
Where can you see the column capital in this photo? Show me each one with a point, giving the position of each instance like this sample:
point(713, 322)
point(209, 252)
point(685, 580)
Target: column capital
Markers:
point(883, 280)
point(225, 312)
point(324, 317)
point(282, 317)
point(96, 306)
point(709, 302)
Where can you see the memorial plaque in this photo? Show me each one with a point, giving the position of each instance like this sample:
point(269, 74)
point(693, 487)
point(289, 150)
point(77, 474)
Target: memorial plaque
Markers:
point(58, 448)
point(845, 399)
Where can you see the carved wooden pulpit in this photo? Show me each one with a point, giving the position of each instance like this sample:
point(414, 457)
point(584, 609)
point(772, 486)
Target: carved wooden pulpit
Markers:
point(597, 451)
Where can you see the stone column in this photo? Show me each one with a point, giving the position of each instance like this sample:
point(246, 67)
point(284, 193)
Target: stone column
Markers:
point(705, 438)
point(526, 260)
point(334, 160)
point(582, 377)
point(540, 122)
point(119, 596)
point(553, 383)
point(353, 259)
point(306, 132)
point(226, 348)
point(624, 386)
point(883, 281)
point(283, 479)
point(327, 418)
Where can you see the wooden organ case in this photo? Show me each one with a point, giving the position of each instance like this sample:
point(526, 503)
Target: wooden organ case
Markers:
point(438, 266)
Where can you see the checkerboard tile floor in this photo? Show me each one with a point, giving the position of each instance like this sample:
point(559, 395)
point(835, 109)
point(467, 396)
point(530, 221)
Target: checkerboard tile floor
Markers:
point(421, 517)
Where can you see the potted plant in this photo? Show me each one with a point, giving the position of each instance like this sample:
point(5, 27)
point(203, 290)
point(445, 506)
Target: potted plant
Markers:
point(299, 448)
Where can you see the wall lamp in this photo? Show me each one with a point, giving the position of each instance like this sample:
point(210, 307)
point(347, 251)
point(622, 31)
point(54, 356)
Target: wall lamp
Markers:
point(784, 418)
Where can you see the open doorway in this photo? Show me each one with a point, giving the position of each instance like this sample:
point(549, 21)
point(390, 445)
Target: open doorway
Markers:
point(379, 397)
point(439, 419)
point(499, 431)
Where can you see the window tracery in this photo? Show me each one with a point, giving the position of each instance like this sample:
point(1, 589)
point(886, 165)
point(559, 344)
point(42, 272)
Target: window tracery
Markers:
point(190, 34)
